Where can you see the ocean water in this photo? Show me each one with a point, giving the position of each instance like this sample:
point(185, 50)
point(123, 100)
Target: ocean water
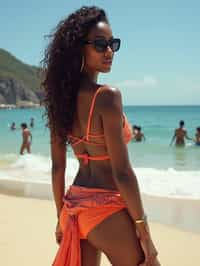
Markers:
point(161, 169)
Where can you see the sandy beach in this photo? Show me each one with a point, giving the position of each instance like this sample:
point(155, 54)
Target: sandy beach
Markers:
point(27, 236)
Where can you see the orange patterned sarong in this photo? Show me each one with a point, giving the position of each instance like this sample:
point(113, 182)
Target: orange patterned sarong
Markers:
point(83, 209)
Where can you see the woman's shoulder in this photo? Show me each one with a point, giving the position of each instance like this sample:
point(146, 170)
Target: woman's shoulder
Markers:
point(109, 90)
point(109, 97)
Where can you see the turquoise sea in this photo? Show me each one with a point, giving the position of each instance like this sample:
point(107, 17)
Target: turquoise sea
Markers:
point(161, 169)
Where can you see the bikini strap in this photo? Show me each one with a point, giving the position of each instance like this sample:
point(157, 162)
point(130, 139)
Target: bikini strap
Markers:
point(91, 112)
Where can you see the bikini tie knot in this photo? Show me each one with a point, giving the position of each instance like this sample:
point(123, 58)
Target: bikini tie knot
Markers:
point(85, 158)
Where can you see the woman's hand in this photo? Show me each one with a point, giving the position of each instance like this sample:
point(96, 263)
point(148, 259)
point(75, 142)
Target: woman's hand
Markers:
point(147, 245)
point(58, 233)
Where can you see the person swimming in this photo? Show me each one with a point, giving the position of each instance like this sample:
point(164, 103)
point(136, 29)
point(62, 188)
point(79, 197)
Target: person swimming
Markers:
point(26, 139)
point(32, 122)
point(180, 134)
point(197, 136)
point(139, 136)
point(134, 131)
point(13, 126)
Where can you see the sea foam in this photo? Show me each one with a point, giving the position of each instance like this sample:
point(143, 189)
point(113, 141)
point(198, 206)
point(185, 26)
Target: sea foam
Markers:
point(157, 182)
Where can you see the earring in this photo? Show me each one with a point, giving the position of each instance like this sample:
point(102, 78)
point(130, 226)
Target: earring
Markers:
point(82, 64)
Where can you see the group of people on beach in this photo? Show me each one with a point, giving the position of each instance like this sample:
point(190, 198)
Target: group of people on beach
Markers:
point(13, 125)
point(26, 135)
point(180, 134)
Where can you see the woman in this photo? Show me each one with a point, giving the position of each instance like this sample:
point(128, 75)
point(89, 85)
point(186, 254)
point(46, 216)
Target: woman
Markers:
point(102, 210)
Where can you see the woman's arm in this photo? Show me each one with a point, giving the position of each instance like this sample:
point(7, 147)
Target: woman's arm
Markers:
point(110, 107)
point(58, 156)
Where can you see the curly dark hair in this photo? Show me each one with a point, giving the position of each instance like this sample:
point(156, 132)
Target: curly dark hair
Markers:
point(61, 67)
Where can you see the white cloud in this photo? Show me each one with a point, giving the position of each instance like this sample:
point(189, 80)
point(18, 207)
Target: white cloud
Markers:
point(146, 82)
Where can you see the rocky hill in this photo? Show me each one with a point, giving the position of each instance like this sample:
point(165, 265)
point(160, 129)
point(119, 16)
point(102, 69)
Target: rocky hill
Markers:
point(19, 82)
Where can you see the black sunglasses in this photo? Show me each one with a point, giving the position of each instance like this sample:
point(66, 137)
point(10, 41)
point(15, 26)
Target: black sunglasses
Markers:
point(101, 45)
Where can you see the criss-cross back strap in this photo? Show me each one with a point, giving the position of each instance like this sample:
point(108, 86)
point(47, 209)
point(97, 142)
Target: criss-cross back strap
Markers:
point(91, 112)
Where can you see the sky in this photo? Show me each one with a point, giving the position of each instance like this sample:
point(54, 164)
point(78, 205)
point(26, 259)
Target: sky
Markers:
point(159, 59)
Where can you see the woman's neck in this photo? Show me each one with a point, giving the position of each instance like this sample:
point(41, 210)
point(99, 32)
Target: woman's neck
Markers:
point(90, 75)
point(89, 79)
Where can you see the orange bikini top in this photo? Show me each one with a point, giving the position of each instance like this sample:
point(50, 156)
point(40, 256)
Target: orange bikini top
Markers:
point(127, 135)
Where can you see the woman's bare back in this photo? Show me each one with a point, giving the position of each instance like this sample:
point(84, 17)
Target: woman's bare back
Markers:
point(95, 173)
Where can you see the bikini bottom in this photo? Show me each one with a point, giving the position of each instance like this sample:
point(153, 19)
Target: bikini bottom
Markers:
point(83, 209)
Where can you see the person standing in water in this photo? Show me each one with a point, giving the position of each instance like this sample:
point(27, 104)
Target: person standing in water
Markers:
point(102, 210)
point(32, 122)
point(197, 136)
point(26, 139)
point(180, 134)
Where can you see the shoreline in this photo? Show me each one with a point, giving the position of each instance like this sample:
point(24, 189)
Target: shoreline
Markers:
point(19, 106)
point(27, 232)
point(181, 213)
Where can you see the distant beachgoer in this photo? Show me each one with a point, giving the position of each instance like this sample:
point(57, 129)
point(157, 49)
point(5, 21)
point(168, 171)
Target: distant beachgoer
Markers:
point(32, 122)
point(197, 136)
point(13, 126)
point(26, 139)
point(180, 134)
point(139, 136)
point(135, 130)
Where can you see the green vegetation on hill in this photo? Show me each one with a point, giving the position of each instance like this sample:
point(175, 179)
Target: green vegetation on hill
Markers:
point(11, 67)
